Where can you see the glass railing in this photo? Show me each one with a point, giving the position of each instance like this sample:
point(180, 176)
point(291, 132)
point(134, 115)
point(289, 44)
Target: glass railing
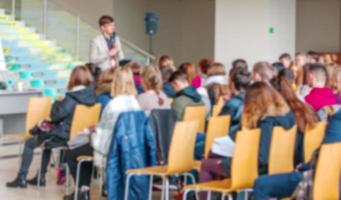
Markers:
point(68, 30)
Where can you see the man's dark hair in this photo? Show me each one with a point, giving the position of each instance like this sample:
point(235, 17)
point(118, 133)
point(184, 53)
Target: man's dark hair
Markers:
point(239, 63)
point(105, 19)
point(178, 75)
point(284, 55)
point(241, 77)
point(277, 66)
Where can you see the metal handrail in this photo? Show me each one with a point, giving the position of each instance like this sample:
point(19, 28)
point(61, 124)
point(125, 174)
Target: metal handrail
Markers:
point(138, 49)
point(149, 56)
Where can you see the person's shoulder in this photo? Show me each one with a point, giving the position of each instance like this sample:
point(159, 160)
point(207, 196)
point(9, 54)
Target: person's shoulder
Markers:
point(97, 38)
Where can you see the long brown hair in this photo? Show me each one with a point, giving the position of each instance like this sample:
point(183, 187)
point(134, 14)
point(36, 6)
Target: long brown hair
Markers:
point(80, 75)
point(305, 116)
point(104, 82)
point(262, 100)
point(189, 69)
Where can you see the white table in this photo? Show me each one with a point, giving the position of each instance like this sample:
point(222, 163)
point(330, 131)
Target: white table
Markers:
point(13, 108)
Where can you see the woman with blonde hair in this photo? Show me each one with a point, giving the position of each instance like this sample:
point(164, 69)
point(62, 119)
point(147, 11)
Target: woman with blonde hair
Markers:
point(153, 97)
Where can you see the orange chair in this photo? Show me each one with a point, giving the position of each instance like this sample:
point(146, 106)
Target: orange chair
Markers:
point(313, 139)
point(196, 113)
point(327, 176)
point(217, 127)
point(282, 149)
point(244, 168)
point(180, 158)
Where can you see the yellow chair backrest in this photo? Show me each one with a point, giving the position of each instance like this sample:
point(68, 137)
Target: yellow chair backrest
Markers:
point(217, 127)
point(313, 139)
point(196, 113)
point(217, 108)
point(244, 169)
point(39, 108)
point(84, 117)
point(282, 149)
point(170, 101)
point(181, 151)
point(327, 176)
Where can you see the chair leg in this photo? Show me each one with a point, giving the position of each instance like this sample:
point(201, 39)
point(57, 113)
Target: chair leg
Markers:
point(77, 179)
point(184, 196)
point(150, 194)
point(67, 182)
point(127, 186)
point(246, 195)
point(163, 189)
point(100, 182)
point(191, 176)
point(167, 189)
point(209, 195)
point(223, 196)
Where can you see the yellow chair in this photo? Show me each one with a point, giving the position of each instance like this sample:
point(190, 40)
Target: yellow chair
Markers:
point(282, 149)
point(180, 158)
point(217, 108)
point(38, 109)
point(244, 168)
point(84, 117)
point(327, 176)
point(217, 127)
point(170, 101)
point(196, 113)
point(313, 139)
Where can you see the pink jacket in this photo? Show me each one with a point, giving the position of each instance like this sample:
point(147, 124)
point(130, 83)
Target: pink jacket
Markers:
point(320, 97)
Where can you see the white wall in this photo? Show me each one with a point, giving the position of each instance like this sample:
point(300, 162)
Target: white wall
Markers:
point(318, 25)
point(242, 29)
point(186, 26)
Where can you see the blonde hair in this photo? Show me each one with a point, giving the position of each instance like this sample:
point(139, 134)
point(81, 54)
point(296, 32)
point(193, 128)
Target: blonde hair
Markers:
point(151, 78)
point(123, 83)
point(337, 80)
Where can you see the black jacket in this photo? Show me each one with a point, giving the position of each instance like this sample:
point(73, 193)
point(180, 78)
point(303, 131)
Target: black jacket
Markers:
point(62, 111)
point(234, 107)
point(266, 125)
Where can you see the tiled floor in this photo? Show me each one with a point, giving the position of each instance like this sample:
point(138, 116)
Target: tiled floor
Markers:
point(8, 170)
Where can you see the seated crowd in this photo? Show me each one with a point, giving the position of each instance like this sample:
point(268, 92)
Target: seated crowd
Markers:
point(290, 93)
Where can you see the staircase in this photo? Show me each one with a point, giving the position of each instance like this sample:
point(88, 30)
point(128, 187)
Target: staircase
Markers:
point(45, 64)
point(38, 63)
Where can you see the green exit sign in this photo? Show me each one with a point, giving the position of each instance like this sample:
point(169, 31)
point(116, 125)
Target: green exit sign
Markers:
point(271, 30)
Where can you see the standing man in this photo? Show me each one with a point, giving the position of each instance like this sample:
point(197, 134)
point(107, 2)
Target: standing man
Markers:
point(106, 49)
